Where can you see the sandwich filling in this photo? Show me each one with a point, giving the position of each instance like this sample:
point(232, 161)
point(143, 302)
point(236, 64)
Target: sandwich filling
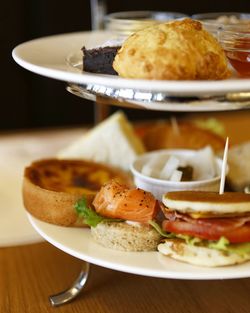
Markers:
point(230, 234)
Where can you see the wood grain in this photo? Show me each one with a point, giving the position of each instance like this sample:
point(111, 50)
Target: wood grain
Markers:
point(29, 274)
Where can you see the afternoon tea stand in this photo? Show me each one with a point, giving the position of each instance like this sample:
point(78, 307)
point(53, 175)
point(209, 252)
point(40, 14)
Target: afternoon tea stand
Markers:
point(99, 95)
point(50, 57)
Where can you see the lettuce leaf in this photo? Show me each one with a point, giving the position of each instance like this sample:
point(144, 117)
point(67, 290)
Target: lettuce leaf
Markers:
point(90, 216)
point(188, 239)
point(222, 244)
point(158, 228)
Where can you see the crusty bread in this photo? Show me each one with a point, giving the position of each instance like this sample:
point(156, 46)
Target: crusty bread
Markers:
point(197, 255)
point(187, 136)
point(126, 237)
point(51, 187)
point(207, 202)
point(177, 50)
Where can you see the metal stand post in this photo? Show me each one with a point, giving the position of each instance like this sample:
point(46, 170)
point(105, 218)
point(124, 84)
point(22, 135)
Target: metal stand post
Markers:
point(98, 11)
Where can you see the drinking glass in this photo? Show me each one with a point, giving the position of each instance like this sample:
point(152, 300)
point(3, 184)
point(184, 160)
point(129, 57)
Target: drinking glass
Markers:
point(98, 11)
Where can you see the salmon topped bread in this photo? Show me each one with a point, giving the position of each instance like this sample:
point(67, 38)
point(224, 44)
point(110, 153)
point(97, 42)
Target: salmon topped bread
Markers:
point(121, 218)
point(116, 200)
point(51, 187)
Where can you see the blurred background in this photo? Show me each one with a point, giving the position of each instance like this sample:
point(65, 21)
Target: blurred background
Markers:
point(32, 101)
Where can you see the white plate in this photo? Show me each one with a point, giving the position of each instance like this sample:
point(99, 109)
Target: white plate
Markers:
point(16, 151)
point(49, 57)
point(79, 243)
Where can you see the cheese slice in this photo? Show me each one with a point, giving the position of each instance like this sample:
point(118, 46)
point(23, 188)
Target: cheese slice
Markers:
point(113, 141)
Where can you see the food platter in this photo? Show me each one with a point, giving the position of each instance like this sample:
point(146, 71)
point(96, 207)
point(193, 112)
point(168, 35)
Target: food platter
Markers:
point(59, 57)
point(79, 243)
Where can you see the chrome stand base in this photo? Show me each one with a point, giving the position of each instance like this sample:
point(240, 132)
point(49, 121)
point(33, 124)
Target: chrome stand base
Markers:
point(71, 293)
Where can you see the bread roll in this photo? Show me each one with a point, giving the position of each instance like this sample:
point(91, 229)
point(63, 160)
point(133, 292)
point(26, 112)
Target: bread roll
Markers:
point(179, 50)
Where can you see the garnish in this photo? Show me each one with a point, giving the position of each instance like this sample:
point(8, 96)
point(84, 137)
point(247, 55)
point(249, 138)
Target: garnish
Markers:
point(157, 227)
point(89, 216)
point(188, 239)
point(221, 244)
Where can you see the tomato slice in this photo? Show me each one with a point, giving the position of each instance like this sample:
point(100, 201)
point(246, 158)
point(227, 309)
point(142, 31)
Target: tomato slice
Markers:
point(210, 229)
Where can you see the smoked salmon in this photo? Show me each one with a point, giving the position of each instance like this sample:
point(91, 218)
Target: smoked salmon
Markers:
point(116, 200)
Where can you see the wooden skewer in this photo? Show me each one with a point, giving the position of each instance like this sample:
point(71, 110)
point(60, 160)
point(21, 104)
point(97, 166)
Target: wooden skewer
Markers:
point(224, 168)
point(175, 125)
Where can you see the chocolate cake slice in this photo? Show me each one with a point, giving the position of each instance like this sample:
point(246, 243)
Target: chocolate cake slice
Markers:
point(99, 60)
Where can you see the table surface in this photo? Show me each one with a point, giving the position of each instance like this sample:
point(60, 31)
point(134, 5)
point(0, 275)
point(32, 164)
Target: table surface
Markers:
point(30, 273)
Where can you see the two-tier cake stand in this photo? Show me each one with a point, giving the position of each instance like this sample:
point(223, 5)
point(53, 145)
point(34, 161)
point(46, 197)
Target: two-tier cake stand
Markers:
point(59, 57)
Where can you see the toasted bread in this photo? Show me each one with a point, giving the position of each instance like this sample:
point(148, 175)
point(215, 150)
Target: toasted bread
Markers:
point(51, 187)
point(207, 203)
point(126, 237)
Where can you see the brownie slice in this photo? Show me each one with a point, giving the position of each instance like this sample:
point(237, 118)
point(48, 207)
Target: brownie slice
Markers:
point(99, 60)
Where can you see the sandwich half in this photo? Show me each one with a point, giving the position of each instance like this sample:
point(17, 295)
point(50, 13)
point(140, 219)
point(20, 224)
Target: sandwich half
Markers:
point(206, 228)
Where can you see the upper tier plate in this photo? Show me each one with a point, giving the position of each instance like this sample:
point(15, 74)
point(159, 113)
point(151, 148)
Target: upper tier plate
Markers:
point(48, 57)
point(79, 243)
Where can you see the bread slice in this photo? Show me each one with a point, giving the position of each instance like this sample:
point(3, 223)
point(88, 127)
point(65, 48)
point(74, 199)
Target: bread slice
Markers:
point(201, 202)
point(197, 255)
point(113, 141)
point(126, 237)
point(239, 166)
point(51, 187)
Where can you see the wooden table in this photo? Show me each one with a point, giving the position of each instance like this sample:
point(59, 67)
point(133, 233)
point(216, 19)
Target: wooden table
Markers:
point(29, 274)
